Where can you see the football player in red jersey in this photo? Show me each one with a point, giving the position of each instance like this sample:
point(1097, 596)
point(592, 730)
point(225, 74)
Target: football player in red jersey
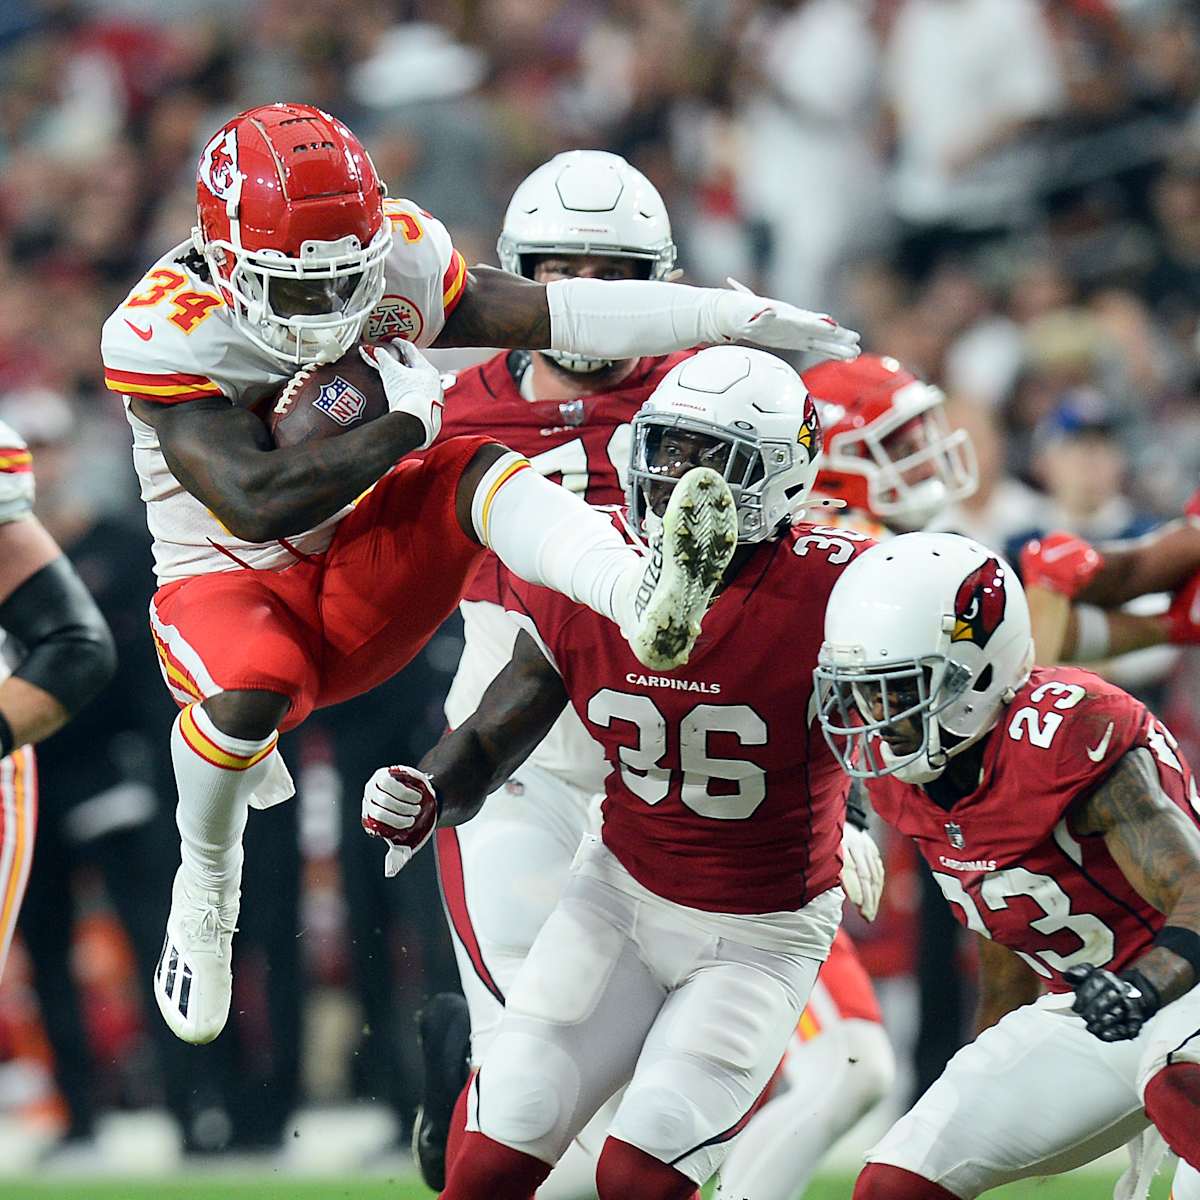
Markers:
point(583, 214)
point(891, 457)
point(685, 942)
point(1076, 590)
point(1060, 821)
point(63, 653)
point(333, 567)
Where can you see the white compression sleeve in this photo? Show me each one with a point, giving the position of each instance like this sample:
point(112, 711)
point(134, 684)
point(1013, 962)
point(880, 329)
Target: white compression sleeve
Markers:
point(622, 318)
point(546, 535)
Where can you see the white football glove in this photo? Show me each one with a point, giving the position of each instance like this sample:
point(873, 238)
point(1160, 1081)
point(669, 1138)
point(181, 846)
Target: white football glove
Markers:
point(399, 805)
point(862, 870)
point(411, 383)
point(742, 316)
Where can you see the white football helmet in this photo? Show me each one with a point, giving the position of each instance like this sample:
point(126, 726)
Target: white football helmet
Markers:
point(925, 631)
point(586, 202)
point(760, 425)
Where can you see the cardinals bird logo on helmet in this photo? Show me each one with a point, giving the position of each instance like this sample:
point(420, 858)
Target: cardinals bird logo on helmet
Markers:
point(979, 604)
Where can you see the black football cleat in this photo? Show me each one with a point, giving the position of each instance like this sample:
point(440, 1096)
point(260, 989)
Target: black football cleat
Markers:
point(444, 1033)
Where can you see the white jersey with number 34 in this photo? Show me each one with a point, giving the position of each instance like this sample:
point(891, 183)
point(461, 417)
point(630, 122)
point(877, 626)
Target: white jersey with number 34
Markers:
point(173, 340)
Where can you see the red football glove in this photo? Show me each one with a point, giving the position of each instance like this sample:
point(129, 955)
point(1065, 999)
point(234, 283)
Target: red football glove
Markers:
point(399, 805)
point(1183, 617)
point(1060, 562)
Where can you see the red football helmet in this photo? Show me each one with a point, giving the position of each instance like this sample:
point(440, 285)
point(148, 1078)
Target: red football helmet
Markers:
point(889, 449)
point(292, 228)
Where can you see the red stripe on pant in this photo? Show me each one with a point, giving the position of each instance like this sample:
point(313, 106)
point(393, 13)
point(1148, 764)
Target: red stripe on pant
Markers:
point(454, 898)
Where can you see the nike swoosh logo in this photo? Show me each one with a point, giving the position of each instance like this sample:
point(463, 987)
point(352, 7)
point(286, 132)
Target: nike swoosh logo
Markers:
point(1097, 752)
point(144, 334)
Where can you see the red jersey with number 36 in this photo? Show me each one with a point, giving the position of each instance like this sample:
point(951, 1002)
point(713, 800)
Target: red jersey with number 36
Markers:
point(1005, 856)
point(584, 444)
point(721, 793)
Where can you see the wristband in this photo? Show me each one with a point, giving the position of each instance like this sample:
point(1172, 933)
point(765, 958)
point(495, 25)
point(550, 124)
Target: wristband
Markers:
point(7, 738)
point(1091, 633)
point(1153, 1002)
point(856, 805)
point(1181, 941)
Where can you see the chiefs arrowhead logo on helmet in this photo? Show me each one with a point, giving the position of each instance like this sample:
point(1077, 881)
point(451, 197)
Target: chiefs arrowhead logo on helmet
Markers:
point(810, 432)
point(979, 604)
point(218, 163)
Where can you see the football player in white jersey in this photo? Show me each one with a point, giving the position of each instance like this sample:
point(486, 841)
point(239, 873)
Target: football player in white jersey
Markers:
point(294, 578)
point(893, 460)
point(64, 655)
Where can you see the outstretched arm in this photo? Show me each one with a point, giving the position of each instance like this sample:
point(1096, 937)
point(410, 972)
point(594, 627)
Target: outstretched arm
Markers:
point(1157, 848)
point(624, 318)
point(224, 456)
point(1162, 561)
point(514, 715)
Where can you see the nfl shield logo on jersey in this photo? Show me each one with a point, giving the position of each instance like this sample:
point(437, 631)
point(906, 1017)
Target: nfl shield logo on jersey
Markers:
point(955, 834)
point(341, 401)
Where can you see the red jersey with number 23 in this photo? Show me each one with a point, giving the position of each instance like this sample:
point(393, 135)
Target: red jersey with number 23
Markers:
point(584, 444)
point(1005, 856)
point(721, 793)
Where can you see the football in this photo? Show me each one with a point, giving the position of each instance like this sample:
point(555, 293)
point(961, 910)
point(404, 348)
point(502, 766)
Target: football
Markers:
point(325, 400)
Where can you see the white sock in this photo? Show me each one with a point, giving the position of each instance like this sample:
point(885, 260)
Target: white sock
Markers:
point(546, 535)
point(839, 1076)
point(215, 774)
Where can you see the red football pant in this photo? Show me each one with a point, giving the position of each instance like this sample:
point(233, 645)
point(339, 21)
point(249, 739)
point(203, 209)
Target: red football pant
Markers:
point(879, 1181)
point(1173, 1103)
point(486, 1170)
point(334, 625)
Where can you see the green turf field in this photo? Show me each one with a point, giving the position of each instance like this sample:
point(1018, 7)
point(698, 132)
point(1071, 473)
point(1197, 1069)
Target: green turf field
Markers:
point(267, 1187)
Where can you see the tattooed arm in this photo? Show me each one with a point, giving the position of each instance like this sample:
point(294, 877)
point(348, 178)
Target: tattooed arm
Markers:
point(1158, 850)
point(1005, 982)
point(515, 714)
point(498, 309)
point(224, 456)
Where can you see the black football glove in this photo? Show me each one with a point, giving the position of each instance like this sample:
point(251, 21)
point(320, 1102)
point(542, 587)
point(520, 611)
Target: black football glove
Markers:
point(1114, 1007)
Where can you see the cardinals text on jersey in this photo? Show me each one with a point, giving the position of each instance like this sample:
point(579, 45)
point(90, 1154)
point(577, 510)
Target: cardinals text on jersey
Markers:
point(724, 801)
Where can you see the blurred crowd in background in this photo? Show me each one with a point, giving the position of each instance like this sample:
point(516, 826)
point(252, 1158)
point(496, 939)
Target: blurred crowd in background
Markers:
point(1003, 194)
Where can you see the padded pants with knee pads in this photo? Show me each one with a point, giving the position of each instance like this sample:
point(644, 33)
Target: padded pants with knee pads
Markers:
point(622, 987)
point(999, 1111)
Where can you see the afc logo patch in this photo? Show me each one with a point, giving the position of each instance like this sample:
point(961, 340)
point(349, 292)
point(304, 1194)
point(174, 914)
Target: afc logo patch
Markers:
point(395, 317)
point(340, 401)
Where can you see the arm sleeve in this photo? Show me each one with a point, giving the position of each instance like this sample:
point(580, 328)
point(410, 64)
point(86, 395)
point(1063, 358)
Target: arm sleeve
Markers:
point(68, 648)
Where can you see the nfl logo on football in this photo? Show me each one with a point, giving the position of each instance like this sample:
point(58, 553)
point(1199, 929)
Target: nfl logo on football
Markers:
point(341, 401)
point(955, 834)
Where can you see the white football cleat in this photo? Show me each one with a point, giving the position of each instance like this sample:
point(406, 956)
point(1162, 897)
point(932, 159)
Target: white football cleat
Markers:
point(193, 981)
point(686, 562)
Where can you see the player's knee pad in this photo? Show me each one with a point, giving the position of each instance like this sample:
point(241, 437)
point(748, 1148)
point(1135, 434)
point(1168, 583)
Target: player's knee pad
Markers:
point(659, 1119)
point(880, 1181)
point(870, 1059)
point(524, 1092)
